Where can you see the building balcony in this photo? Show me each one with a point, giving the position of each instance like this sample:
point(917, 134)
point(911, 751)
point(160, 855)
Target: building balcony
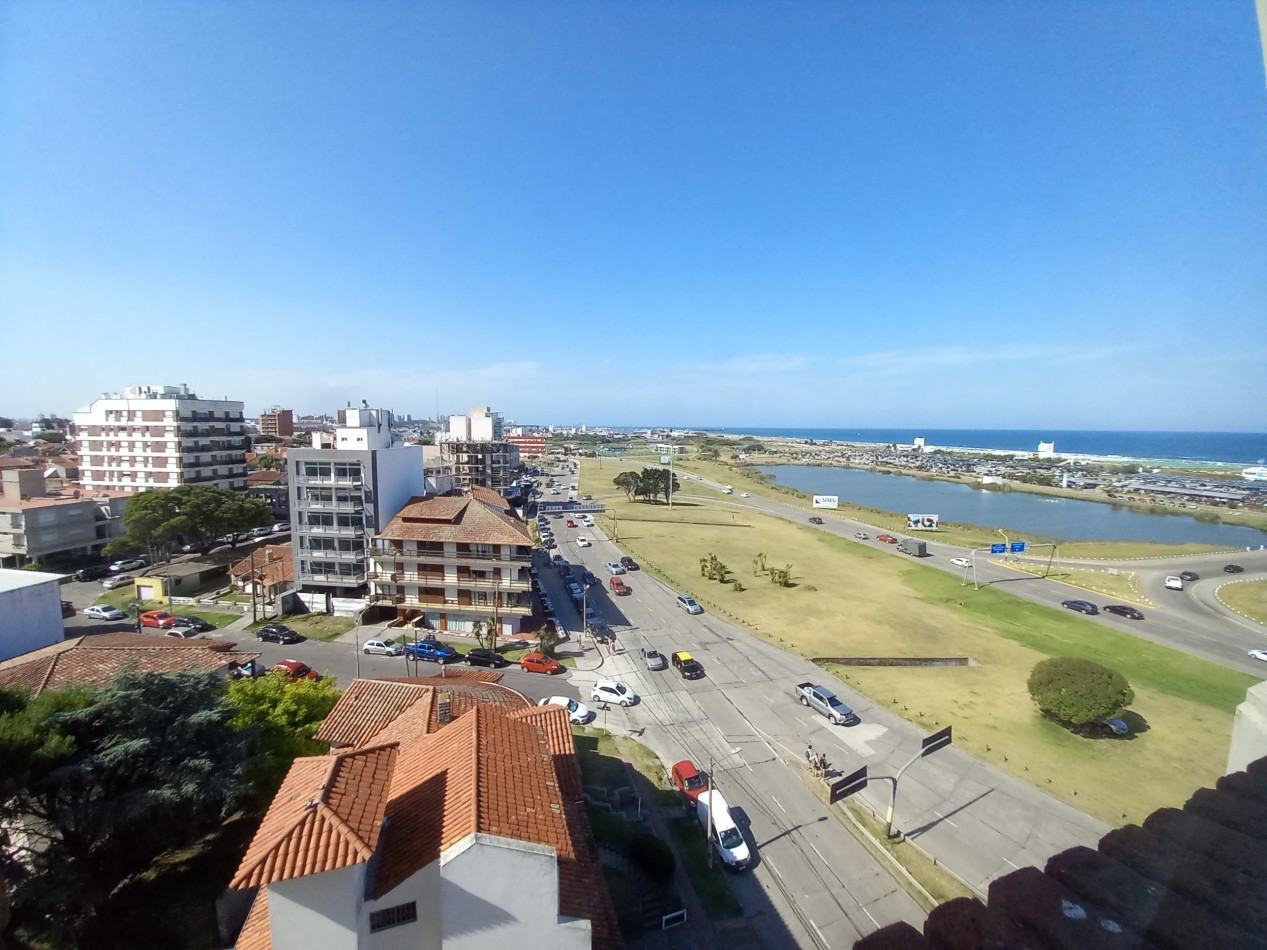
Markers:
point(462, 583)
point(458, 560)
point(438, 602)
point(331, 480)
point(342, 580)
point(332, 530)
point(329, 505)
point(358, 554)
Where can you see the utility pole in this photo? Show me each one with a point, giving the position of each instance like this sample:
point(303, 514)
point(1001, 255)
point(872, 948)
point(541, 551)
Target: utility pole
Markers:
point(254, 614)
point(708, 827)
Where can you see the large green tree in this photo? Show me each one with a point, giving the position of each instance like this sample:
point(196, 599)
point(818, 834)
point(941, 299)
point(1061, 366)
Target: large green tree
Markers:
point(1078, 691)
point(199, 514)
point(286, 716)
point(656, 482)
point(628, 483)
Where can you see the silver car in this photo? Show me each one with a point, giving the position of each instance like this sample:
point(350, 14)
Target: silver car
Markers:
point(383, 647)
point(655, 660)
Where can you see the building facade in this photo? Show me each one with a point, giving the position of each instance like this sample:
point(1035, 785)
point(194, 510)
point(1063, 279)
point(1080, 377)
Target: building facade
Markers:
point(278, 422)
point(38, 521)
point(476, 450)
point(343, 491)
point(30, 612)
point(528, 444)
point(452, 562)
point(161, 437)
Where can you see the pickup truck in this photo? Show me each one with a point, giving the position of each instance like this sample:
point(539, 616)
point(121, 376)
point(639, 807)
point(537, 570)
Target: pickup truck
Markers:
point(826, 702)
point(432, 650)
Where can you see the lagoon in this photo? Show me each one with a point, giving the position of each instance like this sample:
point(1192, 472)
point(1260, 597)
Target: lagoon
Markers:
point(1021, 512)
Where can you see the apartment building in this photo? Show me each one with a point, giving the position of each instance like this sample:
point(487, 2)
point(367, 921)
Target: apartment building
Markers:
point(528, 444)
point(278, 422)
point(40, 519)
point(476, 449)
point(161, 437)
point(343, 491)
point(455, 561)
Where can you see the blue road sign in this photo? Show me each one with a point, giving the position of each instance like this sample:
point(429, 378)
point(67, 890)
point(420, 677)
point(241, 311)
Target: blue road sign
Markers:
point(1018, 547)
point(998, 549)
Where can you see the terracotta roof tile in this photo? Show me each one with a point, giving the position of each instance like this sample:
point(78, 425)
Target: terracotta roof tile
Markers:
point(489, 496)
point(368, 706)
point(327, 814)
point(256, 933)
point(265, 476)
point(274, 563)
point(464, 520)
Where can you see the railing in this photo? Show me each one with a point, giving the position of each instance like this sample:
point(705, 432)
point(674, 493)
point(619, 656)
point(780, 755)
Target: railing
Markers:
point(350, 481)
point(320, 553)
point(519, 610)
point(347, 580)
point(330, 505)
point(462, 583)
point(342, 530)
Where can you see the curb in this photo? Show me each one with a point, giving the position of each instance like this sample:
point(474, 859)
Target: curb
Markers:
point(1244, 580)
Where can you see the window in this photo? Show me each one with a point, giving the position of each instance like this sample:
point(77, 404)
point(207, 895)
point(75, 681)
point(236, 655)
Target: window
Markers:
point(393, 916)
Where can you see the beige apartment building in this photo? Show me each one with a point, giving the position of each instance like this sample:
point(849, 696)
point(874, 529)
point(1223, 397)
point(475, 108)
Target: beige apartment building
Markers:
point(161, 437)
point(39, 518)
point(278, 422)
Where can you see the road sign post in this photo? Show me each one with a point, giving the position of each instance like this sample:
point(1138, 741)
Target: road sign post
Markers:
point(930, 744)
point(843, 788)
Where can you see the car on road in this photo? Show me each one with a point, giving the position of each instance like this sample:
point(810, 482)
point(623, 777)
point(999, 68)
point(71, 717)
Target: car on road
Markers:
point(618, 587)
point(297, 670)
point(613, 567)
point(281, 527)
point(128, 564)
point(609, 691)
point(68, 610)
point(886, 538)
point(481, 656)
point(582, 541)
point(384, 647)
point(1082, 606)
point(687, 603)
point(814, 519)
point(192, 622)
point(688, 780)
point(1233, 569)
point(93, 573)
point(1173, 582)
point(743, 494)
point(549, 544)
point(578, 713)
point(588, 578)
point(184, 633)
point(539, 663)
point(104, 612)
point(1189, 576)
point(862, 536)
point(558, 561)
point(118, 580)
point(587, 497)
point(1258, 655)
point(1122, 610)
point(687, 665)
point(262, 531)
point(961, 562)
point(159, 619)
point(433, 651)
point(628, 563)
point(655, 660)
point(277, 633)
point(570, 523)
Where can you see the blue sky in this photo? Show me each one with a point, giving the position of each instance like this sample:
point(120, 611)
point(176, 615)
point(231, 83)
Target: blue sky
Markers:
point(1040, 214)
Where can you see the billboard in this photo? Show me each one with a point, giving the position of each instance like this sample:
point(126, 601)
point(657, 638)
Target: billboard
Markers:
point(921, 522)
point(826, 501)
point(666, 459)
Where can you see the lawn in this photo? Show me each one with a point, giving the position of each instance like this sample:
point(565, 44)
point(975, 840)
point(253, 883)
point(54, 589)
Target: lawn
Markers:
point(312, 626)
point(1121, 586)
point(1248, 598)
point(849, 599)
point(711, 886)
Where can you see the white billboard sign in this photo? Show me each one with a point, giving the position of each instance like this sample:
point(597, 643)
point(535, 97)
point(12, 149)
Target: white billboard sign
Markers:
point(826, 501)
point(921, 522)
point(666, 459)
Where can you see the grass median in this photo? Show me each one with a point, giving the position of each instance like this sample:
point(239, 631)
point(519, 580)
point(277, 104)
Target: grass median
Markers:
point(849, 598)
point(1248, 598)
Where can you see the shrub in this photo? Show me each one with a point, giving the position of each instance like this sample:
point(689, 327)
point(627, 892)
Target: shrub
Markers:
point(1078, 691)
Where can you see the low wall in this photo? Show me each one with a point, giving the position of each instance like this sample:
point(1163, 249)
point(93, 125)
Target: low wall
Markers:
point(895, 660)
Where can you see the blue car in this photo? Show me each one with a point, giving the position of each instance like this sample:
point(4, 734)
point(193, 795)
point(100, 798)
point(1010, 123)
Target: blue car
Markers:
point(433, 651)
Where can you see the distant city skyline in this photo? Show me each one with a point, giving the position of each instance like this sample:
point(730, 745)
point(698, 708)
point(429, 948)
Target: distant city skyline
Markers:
point(760, 214)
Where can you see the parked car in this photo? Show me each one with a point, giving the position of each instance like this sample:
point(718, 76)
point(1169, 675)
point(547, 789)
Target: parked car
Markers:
point(261, 532)
point(688, 780)
point(588, 578)
point(862, 536)
point(628, 563)
point(297, 670)
point(104, 612)
point(886, 538)
point(192, 622)
point(613, 567)
point(549, 544)
point(277, 633)
point(961, 562)
point(814, 519)
point(482, 656)
point(578, 713)
point(68, 610)
point(557, 560)
point(655, 660)
point(687, 603)
point(1233, 569)
point(433, 651)
point(159, 619)
point(93, 573)
point(609, 691)
point(1082, 606)
point(128, 564)
point(281, 527)
point(118, 580)
point(1189, 576)
point(184, 633)
point(539, 663)
point(384, 647)
point(1122, 610)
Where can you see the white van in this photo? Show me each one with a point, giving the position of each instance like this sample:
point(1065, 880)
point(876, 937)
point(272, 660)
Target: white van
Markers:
point(726, 837)
point(1174, 583)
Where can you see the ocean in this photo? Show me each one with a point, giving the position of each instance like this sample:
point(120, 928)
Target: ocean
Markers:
point(1230, 448)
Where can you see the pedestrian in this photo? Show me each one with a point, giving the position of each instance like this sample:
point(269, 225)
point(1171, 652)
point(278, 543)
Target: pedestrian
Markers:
point(809, 755)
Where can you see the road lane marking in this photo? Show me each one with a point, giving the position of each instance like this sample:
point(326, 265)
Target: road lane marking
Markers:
point(819, 932)
point(780, 804)
point(945, 819)
point(1014, 864)
point(767, 861)
point(819, 853)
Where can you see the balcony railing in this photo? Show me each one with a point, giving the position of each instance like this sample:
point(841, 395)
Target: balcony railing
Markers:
point(330, 505)
point(339, 530)
point(353, 555)
point(461, 583)
point(346, 580)
point(334, 480)
point(436, 602)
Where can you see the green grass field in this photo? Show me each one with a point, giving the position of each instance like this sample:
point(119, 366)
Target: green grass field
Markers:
point(1250, 598)
point(1113, 586)
point(849, 599)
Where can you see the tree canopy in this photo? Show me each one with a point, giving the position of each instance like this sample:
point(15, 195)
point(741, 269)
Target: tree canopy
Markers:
point(648, 484)
point(197, 513)
point(1079, 691)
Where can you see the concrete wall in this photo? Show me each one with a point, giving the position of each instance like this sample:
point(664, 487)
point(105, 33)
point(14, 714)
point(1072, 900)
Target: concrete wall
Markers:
point(1249, 730)
point(423, 889)
point(400, 476)
point(30, 612)
point(317, 911)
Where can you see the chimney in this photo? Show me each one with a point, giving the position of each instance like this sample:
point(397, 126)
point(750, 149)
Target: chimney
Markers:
point(444, 712)
point(268, 554)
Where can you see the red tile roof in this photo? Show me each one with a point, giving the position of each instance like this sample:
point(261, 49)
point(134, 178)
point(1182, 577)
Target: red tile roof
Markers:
point(463, 520)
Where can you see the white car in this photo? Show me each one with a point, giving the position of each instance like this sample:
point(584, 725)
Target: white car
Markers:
point(743, 494)
point(105, 612)
point(130, 564)
point(582, 541)
point(1258, 655)
point(608, 691)
point(578, 713)
point(960, 562)
point(383, 647)
point(119, 580)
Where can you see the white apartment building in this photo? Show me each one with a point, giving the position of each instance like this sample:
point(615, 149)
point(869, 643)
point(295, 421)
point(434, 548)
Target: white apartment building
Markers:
point(343, 491)
point(160, 437)
point(480, 424)
point(476, 450)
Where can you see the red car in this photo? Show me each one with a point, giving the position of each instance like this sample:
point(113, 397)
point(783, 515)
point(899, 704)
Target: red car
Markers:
point(618, 586)
point(157, 618)
point(297, 670)
point(688, 780)
point(540, 663)
point(886, 538)
point(571, 523)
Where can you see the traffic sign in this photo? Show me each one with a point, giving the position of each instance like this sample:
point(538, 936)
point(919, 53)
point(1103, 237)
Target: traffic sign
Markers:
point(843, 788)
point(938, 740)
point(1018, 547)
point(998, 549)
